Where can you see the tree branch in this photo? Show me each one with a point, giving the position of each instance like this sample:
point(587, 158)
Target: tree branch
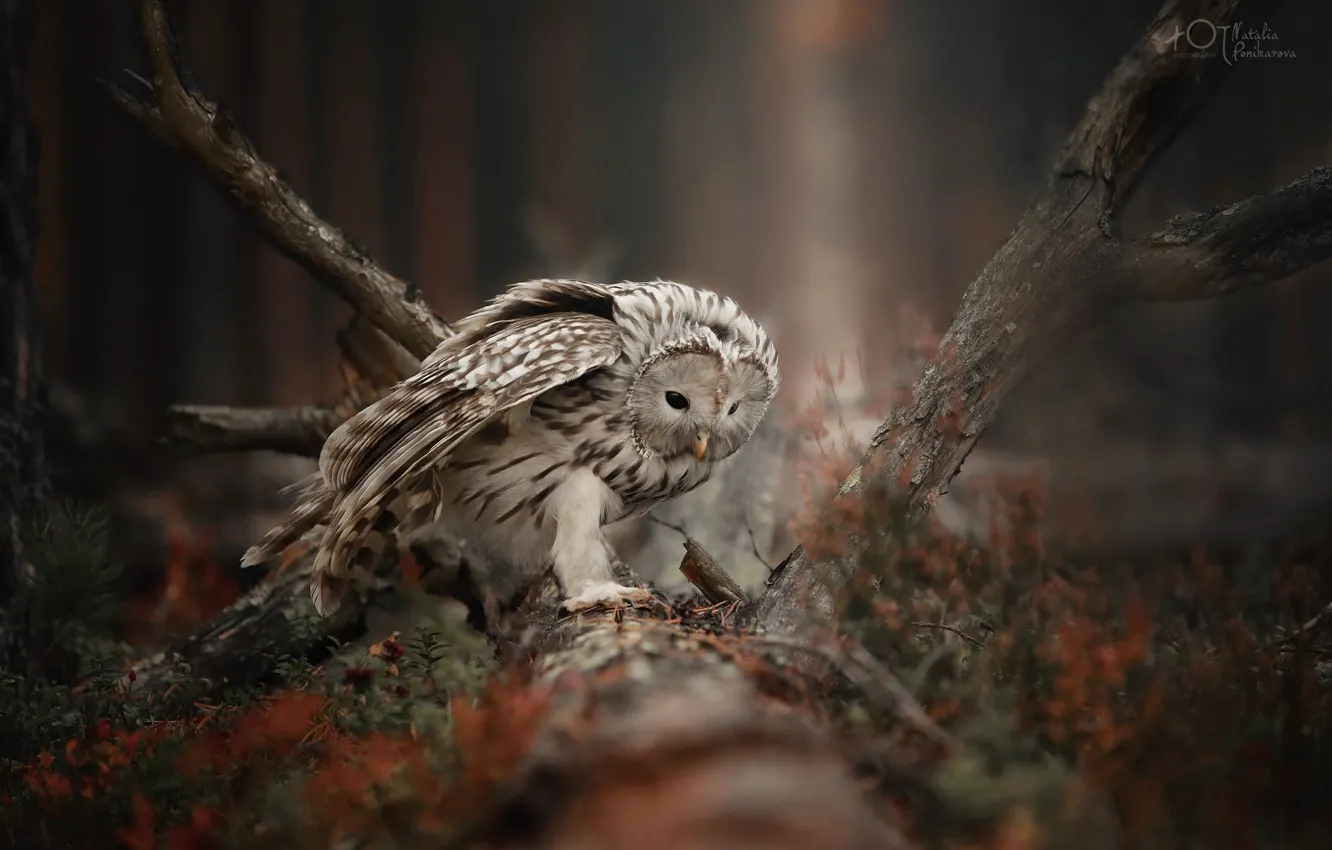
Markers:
point(293, 430)
point(376, 362)
point(1058, 274)
point(1229, 249)
point(198, 128)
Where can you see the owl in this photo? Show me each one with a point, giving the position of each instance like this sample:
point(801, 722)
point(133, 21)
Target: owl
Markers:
point(558, 408)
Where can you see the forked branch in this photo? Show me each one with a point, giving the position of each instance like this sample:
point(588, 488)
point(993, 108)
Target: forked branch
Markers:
point(1060, 272)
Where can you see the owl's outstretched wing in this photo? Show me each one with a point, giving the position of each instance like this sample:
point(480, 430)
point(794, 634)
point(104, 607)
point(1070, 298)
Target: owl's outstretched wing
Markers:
point(474, 356)
point(378, 461)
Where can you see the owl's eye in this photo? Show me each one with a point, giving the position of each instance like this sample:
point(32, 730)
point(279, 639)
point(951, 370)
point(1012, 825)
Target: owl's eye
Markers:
point(676, 400)
point(735, 405)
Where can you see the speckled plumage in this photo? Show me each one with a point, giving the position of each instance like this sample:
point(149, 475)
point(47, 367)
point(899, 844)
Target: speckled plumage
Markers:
point(552, 412)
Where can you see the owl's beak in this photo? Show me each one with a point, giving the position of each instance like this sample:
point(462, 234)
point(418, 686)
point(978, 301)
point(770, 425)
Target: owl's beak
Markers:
point(700, 445)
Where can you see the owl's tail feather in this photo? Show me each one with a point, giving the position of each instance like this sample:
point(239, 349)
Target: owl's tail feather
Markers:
point(351, 551)
point(315, 503)
point(327, 590)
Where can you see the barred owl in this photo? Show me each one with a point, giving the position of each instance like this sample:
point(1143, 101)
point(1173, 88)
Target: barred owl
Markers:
point(558, 408)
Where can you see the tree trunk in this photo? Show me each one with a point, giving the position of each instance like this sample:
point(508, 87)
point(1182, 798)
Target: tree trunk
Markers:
point(23, 480)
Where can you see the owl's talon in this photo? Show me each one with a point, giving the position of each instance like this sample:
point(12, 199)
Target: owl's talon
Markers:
point(607, 594)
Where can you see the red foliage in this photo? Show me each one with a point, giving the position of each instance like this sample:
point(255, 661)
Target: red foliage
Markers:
point(492, 736)
point(194, 589)
point(141, 833)
point(88, 766)
point(341, 791)
point(198, 833)
point(272, 729)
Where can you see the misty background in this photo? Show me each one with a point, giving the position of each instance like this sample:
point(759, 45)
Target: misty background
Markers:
point(843, 168)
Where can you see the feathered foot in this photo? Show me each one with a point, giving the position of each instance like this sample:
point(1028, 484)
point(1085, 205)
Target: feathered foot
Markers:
point(607, 594)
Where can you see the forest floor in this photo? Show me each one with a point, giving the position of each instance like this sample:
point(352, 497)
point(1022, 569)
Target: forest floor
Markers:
point(1167, 703)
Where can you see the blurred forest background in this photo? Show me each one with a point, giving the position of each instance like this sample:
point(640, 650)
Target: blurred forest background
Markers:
point(842, 167)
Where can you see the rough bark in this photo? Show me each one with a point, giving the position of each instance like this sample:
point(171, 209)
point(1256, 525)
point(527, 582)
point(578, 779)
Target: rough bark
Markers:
point(701, 731)
point(294, 430)
point(681, 721)
point(23, 479)
point(1237, 247)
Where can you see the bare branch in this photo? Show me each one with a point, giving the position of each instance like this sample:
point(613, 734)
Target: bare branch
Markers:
point(1225, 250)
point(293, 430)
point(196, 127)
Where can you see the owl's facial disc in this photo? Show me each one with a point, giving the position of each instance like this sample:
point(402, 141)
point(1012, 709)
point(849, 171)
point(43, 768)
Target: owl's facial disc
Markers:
point(742, 405)
point(675, 402)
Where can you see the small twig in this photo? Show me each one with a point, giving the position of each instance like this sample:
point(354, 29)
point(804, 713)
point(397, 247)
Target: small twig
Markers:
point(875, 680)
point(947, 628)
point(753, 542)
point(679, 529)
point(703, 572)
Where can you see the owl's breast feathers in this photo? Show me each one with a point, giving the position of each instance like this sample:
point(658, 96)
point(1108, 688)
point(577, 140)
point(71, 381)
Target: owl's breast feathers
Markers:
point(586, 424)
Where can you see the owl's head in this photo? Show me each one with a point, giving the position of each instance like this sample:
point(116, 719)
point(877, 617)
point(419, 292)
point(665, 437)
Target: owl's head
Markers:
point(700, 395)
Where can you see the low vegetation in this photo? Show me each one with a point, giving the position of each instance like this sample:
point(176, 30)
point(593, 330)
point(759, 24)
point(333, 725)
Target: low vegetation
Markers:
point(1180, 703)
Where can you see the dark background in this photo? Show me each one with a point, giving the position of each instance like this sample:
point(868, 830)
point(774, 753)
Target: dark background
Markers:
point(828, 162)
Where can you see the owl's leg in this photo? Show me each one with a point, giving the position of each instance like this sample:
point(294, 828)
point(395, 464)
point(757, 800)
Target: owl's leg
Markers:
point(580, 552)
